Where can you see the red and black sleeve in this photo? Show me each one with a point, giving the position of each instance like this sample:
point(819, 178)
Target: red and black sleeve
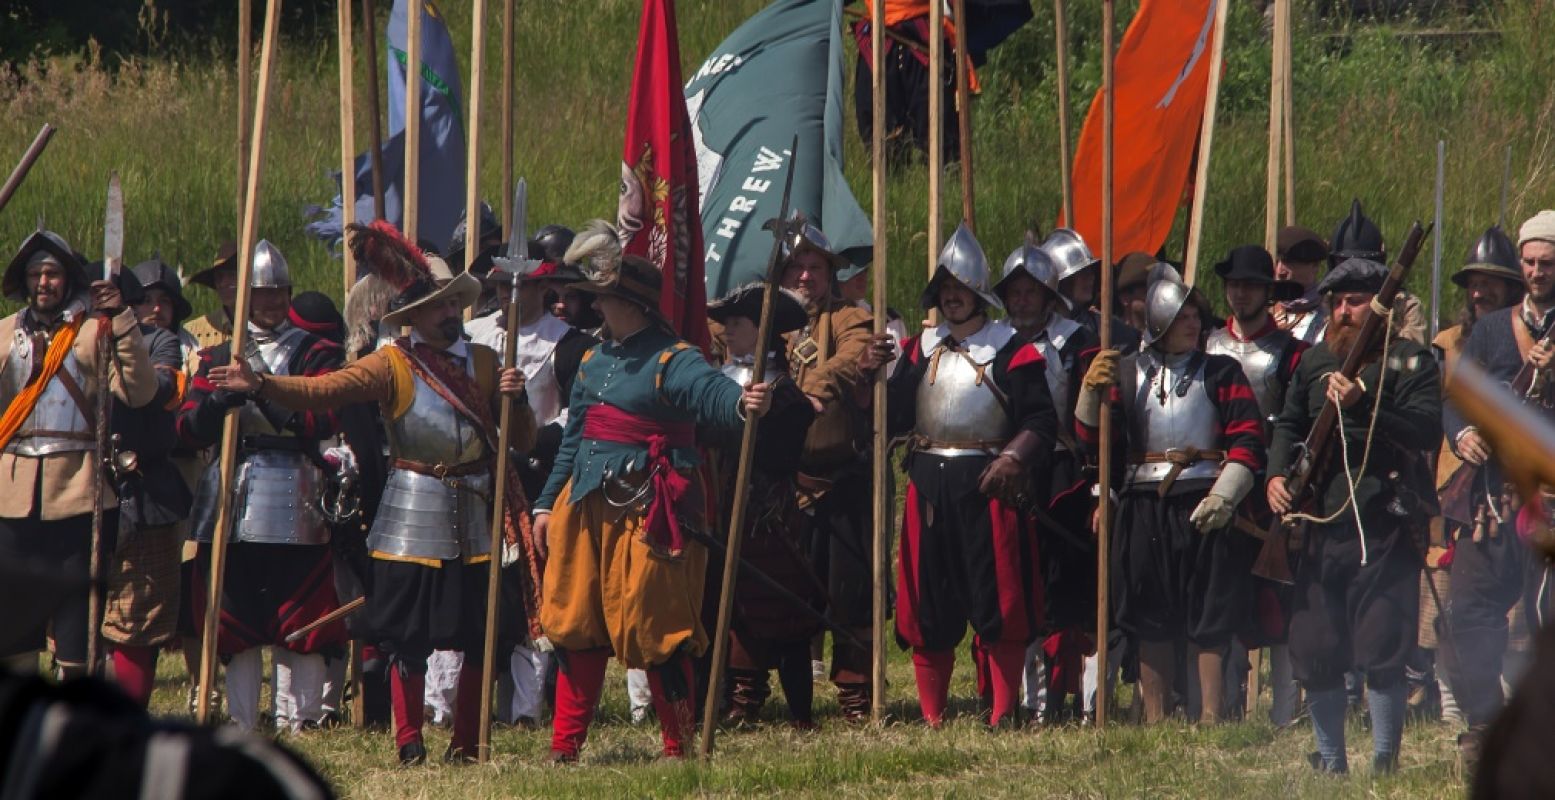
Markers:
point(317, 357)
point(1241, 424)
point(199, 420)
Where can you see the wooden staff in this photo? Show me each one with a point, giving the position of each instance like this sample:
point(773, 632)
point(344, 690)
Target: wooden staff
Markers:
point(245, 52)
point(1061, 41)
point(1104, 462)
point(964, 117)
point(1271, 212)
point(375, 153)
point(1289, 115)
point(412, 199)
point(507, 112)
point(46, 133)
point(347, 144)
point(338, 614)
point(743, 474)
point(882, 477)
point(229, 431)
point(1206, 142)
point(936, 132)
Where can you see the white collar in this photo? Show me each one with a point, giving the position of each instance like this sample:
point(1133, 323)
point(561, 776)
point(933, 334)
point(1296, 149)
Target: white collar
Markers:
point(981, 346)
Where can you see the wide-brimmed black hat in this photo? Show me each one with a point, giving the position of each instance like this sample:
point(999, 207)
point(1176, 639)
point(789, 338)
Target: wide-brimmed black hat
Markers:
point(597, 253)
point(1252, 263)
point(788, 311)
point(226, 258)
point(14, 283)
point(1301, 245)
point(1354, 275)
point(156, 274)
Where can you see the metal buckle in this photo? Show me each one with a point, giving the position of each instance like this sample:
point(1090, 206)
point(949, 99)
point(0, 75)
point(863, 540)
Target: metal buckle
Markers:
point(807, 352)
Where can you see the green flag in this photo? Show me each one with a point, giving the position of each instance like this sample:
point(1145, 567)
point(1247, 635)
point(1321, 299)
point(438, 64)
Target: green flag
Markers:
point(777, 75)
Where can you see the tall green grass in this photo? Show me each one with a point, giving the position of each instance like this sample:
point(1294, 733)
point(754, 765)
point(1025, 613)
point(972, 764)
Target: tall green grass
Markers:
point(1370, 106)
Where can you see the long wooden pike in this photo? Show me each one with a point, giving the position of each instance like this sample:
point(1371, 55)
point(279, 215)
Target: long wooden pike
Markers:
point(882, 477)
point(936, 133)
point(964, 118)
point(411, 202)
point(245, 76)
point(1271, 212)
point(338, 614)
point(780, 227)
point(229, 432)
point(347, 143)
point(1104, 461)
point(508, 35)
point(375, 152)
point(29, 158)
point(1206, 143)
point(113, 259)
point(1061, 43)
point(1288, 113)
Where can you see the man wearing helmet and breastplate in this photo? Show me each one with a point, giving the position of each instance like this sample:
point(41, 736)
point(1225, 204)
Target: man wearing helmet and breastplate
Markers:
point(1191, 444)
point(1078, 272)
point(834, 477)
point(1492, 568)
point(1268, 356)
point(975, 397)
point(1037, 311)
point(51, 354)
point(1357, 581)
point(279, 573)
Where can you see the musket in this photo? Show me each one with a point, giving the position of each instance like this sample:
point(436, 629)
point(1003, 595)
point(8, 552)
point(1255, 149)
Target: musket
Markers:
point(1274, 558)
point(19, 174)
point(780, 226)
point(113, 258)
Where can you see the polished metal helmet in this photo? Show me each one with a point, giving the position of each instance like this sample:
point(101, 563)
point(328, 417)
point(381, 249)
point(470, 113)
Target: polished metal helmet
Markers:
point(269, 270)
point(1031, 260)
point(1068, 252)
point(1163, 302)
point(1494, 255)
point(1356, 236)
point(808, 236)
point(963, 260)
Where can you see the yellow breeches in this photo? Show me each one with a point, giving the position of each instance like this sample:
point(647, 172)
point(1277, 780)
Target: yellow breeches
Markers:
point(604, 587)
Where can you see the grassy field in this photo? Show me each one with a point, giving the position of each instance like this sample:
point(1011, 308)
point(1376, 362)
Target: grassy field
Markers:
point(1370, 106)
point(904, 758)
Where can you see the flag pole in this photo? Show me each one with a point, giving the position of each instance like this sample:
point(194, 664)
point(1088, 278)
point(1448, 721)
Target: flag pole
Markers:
point(1289, 104)
point(1104, 462)
point(882, 491)
point(1271, 211)
point(1206, 143)
point(936, 132)
point(229, 432)
point(964, 118)
point(375, 154)
point(507, 112)
point(411, 200)
point(1061, 40)
point(245, 70)
point(347, 144)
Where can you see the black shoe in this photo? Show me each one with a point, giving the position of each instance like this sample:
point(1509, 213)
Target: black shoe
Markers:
point(1384, 763)
point(457, 756)
point(1315, 760)
point(413, 754)
point(558, 758)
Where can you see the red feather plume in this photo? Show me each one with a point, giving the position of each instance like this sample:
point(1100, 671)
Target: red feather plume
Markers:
point(382, 248)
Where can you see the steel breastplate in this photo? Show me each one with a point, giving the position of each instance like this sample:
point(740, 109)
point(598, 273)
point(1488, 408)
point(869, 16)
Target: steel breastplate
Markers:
point(277, 495)
point(1184, 417)
point(432, 432)
point(1051, 342)
point(56, 424)
point(1260, 360)
point(961, 411)
point(272, 356)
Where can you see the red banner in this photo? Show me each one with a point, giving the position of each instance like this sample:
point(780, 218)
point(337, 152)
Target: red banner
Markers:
point(1162, 77)
point(657, 214)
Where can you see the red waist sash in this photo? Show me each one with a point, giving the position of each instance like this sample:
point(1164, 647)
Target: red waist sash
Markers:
point(606, 423)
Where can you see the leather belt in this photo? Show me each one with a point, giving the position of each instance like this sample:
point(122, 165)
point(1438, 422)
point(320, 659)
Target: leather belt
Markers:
point(1180, 458)
point(978, 447)
point(450, 474)
point(74, 436)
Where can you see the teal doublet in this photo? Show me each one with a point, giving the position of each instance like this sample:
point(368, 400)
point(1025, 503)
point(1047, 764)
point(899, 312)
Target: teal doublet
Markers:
point(651, 374)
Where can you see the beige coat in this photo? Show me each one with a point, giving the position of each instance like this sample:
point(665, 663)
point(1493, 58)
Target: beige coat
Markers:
point(68, 477)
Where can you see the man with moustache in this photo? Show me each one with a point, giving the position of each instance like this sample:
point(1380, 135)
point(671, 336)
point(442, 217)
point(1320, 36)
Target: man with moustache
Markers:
point(834, 476)
point(1268, 357)
point(1356, 588)
point(975, 397)
point(1036, 310)
point(1489, 576)
point(52, 353)
point(430, 540)
point(1192, 444)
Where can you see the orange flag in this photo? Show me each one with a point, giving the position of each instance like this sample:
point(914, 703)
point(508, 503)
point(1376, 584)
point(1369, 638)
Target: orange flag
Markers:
point(1162, 77)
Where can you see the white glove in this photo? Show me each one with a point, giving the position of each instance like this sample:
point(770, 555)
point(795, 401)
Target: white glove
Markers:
point(1215, 510)
point(1087, 407)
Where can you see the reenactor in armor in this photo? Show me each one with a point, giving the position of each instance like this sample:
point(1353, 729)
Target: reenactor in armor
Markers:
point(51, 361)
point(766, 632)
point(1039, 314)
point(1357, 581)
point(975, 397)
point(430, 541)
point(220, 277)
point(144, 581)
point(1300, 255)
point(622, 575)
point(279, 573)
point(1268, 356)
point(834, 475)
point(1078, 273)
point(1190, 448)
point(1492, 569)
